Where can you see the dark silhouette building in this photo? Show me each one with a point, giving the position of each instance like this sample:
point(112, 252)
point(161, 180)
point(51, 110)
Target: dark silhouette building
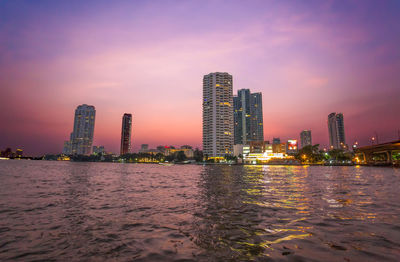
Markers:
point(305, 138)
point(126, 134)
point(337, 138)
point(248, 117)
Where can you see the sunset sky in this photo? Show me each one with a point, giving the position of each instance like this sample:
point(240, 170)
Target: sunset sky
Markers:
point(148, 58)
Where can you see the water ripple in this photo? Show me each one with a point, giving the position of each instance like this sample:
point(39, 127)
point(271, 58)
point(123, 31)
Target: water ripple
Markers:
point(64, 211)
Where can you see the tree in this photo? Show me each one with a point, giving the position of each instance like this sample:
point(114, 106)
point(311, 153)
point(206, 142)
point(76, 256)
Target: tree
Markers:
point(170, 158)
point(198, 155)
point(159, 157)
point(340, 155)
point(181, 156)
point(310, 154)
point(230, 158)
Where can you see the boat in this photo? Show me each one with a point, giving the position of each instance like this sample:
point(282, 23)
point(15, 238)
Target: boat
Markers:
point(166, 164)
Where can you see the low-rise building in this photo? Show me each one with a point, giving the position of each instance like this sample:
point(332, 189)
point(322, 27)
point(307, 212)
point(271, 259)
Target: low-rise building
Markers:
point(262, 152)
point(67, 148)
point(187, 150)
point(144, 148)
point(19, 153)
point(279, 148)
point(292, 146)
point(276, 140)
point(238, 150)
point(98, 150)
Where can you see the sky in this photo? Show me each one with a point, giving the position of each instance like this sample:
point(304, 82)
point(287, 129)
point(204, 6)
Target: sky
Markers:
point(308, 58)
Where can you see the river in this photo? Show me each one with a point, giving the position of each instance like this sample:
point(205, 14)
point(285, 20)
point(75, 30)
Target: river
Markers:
point(68, 211)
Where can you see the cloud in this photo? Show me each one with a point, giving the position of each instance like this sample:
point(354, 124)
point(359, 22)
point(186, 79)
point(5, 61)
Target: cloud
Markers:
point(149, 59)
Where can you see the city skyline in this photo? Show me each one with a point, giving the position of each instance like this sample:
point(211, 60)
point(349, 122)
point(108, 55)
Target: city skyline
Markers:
point(308, 60)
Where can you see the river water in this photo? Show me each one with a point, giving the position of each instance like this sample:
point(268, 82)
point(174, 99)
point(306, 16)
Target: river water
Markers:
point(66, 211)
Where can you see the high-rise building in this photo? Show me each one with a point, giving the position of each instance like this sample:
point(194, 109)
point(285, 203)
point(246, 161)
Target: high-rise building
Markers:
point(126, 134)
point(305, 138)
point(217, 115)
point(248, 117)
point(337, 138)
point(81, 138)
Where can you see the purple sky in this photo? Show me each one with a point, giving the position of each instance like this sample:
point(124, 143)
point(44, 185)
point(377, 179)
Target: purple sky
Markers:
point(148, 58)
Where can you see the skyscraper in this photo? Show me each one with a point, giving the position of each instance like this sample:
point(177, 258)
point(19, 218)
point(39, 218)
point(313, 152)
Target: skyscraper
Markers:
point(81, 138)
point(248, 117)
point(305, 138)
point(217, 114)
point(336, 131)
point(126, 134)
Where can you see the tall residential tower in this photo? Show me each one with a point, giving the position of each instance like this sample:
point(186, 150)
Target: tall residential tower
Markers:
point(217, 115)
point(81, 138)
point(337, 138)
point(126, 134)
point(248, 117)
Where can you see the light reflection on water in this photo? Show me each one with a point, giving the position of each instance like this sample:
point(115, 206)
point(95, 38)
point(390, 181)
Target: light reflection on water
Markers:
point(123, 212)
point(321, 213)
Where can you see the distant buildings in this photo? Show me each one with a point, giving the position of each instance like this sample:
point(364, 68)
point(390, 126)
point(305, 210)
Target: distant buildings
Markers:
point(276, 140)
point(262, 152)
point(167, 150)
point(67, 147)
point(98, 150)
point(144, 148)
point(161, 149)
point(248, 117)
point(336, 131)
point(19, 152)
point(292, 146)
point(260, 147)
point(126, 134)
point(187, 150)
point(238, 150)
point(305, 138)
point(218, 115)
point(81, 138)
point(232, 125)
point(279, 148)
point(8, 153)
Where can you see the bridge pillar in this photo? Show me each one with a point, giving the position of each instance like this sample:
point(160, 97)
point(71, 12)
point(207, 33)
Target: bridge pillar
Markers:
point(365, 160)
point(368, 158)
point(389, 157)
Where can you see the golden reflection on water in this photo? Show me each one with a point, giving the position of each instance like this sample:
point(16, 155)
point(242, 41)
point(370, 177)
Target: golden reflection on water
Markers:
point(287, 187)
point(201, 213)
point(259, 207)
point(254, 189)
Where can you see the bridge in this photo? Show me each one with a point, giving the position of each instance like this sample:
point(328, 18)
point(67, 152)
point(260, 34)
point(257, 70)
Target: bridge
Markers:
point(381, 154)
